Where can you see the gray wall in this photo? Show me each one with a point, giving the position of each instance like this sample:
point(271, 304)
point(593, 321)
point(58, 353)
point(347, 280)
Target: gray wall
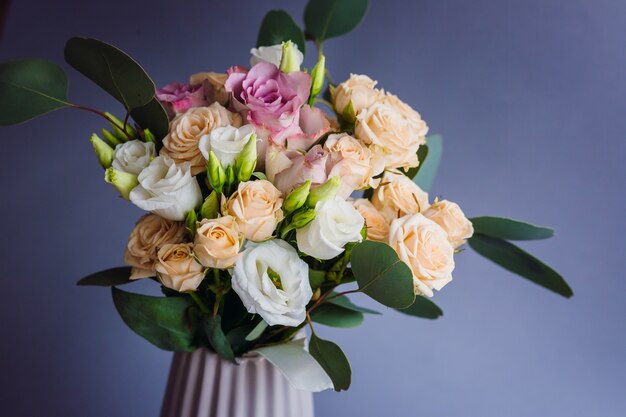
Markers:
point(530, 98)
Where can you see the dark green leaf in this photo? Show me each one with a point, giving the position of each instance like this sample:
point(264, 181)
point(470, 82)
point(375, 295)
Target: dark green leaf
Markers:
point(217, 338)
point(316, 278)
point(113, 70)
point(519, 262)
point(424, 308)
point(162, 321)
point(152, 116)
point(335, 315)
point(29, 88)
point(332, 359)
point(381, 275)
point(428, 167)
point(277, 27)
point(509, 229)
point(422, 153)
point(345, 302)
point(325, 19)
point(108, 278)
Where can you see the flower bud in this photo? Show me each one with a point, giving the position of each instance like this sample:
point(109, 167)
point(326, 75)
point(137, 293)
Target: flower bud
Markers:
point(317, 78)
point(117, 126)
point(215, 173)
point(246, 161)
point(122, 181)
point(104, 152)
point(324, 192)
point(297, 197)
point(290, 60)
point(148, 136)
point(113, 140)
point(191, 222)
point(302, 218)
point(210, 206)
point(230, 177)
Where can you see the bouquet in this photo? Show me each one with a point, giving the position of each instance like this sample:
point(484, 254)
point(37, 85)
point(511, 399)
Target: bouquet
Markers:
point(271, 193)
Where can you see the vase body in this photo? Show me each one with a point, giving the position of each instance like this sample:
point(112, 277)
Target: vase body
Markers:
point(201, 384)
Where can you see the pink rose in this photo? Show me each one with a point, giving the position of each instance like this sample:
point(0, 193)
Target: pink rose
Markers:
point(312, 125)
point(287, 169)
point(271, 97)
point(177, 98)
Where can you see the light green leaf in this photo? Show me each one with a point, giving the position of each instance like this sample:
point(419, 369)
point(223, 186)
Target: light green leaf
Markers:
point(217, 338)
point(335, 315)
point(333, 361)
point(427, 170)
point(325, 19)
point(107, 278)
point(424, 308)
point(162, 321)
point(277, 27)
point(257, 331)
point(519, 262)
point(509, 229)
point(382, 275)
point(29, 88)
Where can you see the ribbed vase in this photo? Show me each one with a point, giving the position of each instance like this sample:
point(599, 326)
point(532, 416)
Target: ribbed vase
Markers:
point(201, 384)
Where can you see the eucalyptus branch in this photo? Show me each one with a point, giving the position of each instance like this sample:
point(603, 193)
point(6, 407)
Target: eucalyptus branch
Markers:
point(108, 119)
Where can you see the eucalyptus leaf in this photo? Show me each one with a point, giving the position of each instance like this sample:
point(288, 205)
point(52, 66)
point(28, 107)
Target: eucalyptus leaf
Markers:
point(425, 176)
point(519, 262)
point(152, 116)
point(113, 70)
point(509, 229)
point(107, 278)
point(424, 308)
point(29, 88)
point(277, 27)
point(335, 315)
point(217, 338)
point(257, 331)
point(345, 302)
point(162, 321)
point(332, 360)
point(316, 278)
point(382, 275)
point(325, 19)
point(422, 154)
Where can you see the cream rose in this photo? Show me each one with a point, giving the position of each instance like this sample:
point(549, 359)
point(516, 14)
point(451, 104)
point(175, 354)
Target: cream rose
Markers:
point(177, 269)
point(376, 224)
point(390, 135)
point(352, 162)
point(256, 207)
point(423, 245)
point(358, 89)
point(133, 156)
point(150, 233)
point(181, 143)
point(408, 113)
point(226, 142)
point(216, 81)
point(397, 196)
point(217, 242)
point(451, 218)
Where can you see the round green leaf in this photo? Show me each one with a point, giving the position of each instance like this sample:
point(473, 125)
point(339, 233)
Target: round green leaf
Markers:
point(113, 70)
point(509, 229)
point(107, 278)
point(332, 359)
point(152, 116)
point(277, 27)
point(382, 275)
point(424, 308)
point(345, 302)
point(29, 88)
point(325, 19)
point(334, 315)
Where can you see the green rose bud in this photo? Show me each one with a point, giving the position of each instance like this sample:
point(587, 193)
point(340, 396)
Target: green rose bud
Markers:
point(246, 161)
point(302, 218)
point(148, 136)
point(210, 206)
point(104, 152)
point(117, 126)
point(230, 177)
point(122, 181)
point(215, 173)
point(317, 78)
point(113, 140)
point(324, 192)
point(289, 61)
point(297, 197)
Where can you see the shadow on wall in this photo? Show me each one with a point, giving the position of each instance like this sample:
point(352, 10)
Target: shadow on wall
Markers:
point(4, 11)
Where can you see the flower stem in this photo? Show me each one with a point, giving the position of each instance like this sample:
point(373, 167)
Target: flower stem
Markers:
point(99, 113)
point(194, 295)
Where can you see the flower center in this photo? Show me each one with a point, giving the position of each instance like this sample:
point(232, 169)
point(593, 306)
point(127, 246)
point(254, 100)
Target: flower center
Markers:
point(275, 278)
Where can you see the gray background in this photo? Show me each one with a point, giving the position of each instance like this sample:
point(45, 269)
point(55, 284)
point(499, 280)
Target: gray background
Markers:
point(530, 98)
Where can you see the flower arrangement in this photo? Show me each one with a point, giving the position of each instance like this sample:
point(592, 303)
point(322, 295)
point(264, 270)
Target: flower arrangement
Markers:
point(271, 194)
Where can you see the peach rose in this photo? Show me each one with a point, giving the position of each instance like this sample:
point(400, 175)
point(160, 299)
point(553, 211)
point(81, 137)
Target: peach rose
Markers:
point(216, 81)
point(150, 233)
point(398, 196)
point(256, 207)
point(451, 218)
point(358, 89)
point(376, 224)
point(390, 135)
point(217, 242)
point(177, 269)
point(423, 245)
point(353, 162)
point(408, 113)
point(181, 143)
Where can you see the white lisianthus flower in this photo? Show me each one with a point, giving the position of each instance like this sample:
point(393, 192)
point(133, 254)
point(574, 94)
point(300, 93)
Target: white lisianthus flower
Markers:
point(226, 142)
point(337, 223)
point(273, 55)
point(273, 282)
point(167, 189)
point(133, 156)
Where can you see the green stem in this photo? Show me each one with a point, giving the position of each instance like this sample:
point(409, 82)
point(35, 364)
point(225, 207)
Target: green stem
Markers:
point(199, 302)
point(99, 113)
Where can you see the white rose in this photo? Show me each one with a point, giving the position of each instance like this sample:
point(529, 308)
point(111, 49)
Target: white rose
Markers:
point(133, 156)
point(167, 189)
point(336, 223)
point(272, 281)
point(451, 218)
point(272, 54)
point(226, 142)
point(423, 245)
